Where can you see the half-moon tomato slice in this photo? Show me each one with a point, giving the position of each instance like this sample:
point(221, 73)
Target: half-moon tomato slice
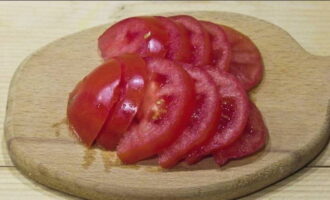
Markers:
point(165, 111)
point(92, 99)
point(179, 47)
point(132, 86)
point(199, 38)
point(142, 35)
point(252, 140)
point(246, 62)
point(221, 50)
point(234, 114)
point(203, 121)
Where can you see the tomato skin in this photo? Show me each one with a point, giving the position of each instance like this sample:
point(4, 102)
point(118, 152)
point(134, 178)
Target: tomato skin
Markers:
point(253, 139)
point(203, 121)
point(179, 47)
point(234, 115)
point(199, 38)
point(144, 105)
point(142, 35)
point(133, 81)
point(221, 49)
point(92, 99)
point(246, 62)
point(166, 110)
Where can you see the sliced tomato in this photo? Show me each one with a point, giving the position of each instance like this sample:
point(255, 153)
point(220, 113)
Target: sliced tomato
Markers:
point(234, 114)
point(199, 38)
point(92, 99)
point(166, 109)
point(221, 50)
point(252, 140)
point(246, 63)
point(142, 35)
point(133, 82)
point(179, 47)
point(203, 121)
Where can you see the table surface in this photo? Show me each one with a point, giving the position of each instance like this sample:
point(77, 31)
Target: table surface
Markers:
point(27, 26)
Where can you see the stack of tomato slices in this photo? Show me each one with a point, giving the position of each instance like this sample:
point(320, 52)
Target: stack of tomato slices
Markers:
point(173, 87)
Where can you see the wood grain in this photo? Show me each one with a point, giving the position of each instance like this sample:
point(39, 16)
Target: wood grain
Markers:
point(23, 31)
point(25, 26)
point(286, 97)
point(19, 187)
point(309, 183)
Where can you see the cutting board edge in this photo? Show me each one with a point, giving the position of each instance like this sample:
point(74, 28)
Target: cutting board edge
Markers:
point(293, 163)
point(51, 182)
point(26, 171)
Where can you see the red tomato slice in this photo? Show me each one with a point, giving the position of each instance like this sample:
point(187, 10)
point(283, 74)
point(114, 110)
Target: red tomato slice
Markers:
point(234, 115)
point(246, 63)
point(199, 38)
point(92, 99)
point(179, 47)
point(203, 121)
point(142, 35)
point(221, 50)
point(166, 110)
point(252, 140)
point(134, 78)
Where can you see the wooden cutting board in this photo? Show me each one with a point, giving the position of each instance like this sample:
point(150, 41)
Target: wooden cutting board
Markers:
point(293, 97)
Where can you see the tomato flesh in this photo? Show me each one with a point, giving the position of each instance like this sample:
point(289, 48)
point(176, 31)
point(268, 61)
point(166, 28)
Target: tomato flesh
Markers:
point(179, 47)
point(234, 114)
point(133, 81)
point(142, 35)
point(221, 50)
point(92, 99)
point(252, 140)
point(199, 39)
point(165, 111)
point(143, 101)
point(246, 62)
point(203, 121)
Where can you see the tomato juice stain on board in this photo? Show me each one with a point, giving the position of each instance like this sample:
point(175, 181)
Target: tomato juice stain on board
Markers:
point(57, 132)
point(89, 157)
point(146, 168)
point(154, 169)
point(57, 126)
point(109, 159)
point(62, 129)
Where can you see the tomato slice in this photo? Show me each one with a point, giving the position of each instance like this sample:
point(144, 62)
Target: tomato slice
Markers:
point(252, 140)
point(199, 38)
point(92, 99)
point(234, 115)
point(142, 35)
point(221, 50)
point(203, 121)
point(246, 63)
point(179, 47)
point(133, 81)
point(166, 110)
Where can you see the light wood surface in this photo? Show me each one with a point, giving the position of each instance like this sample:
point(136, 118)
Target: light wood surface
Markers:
point(76, 16)
point(293, 98)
